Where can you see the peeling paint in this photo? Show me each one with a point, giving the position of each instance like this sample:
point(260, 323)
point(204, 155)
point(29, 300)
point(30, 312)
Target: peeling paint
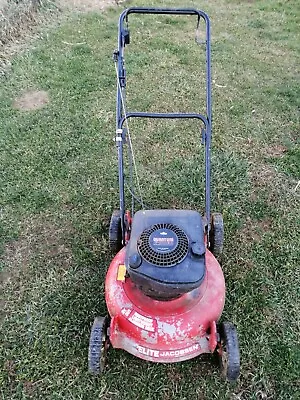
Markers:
point(178, 323)
point(166, 329)
point(148, 337)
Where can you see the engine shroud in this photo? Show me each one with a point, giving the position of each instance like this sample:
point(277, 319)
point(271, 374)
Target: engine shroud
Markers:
point(165, 254)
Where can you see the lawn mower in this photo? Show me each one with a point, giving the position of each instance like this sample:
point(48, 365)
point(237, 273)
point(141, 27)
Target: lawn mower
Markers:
point(164, 289)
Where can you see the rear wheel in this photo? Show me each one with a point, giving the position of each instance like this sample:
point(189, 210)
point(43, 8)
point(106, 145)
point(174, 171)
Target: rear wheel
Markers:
point(98, 346)
point(229, 352)
point(115, 232)
point(216, 238)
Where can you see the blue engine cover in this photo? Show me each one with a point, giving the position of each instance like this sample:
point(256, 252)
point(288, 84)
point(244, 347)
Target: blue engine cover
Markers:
point(165, 256)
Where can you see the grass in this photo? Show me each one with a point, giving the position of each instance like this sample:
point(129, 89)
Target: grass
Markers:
point(59, 187)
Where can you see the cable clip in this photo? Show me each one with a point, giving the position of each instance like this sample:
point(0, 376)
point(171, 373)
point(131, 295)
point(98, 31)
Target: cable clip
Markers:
point(119, 135)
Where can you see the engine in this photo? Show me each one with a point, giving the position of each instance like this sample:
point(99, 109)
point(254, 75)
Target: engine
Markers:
point(165, 256)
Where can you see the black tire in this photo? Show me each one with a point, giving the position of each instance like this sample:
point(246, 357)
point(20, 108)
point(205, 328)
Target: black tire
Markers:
point(216, 234)
point(229, 352)
point(115, 232)
point(98, 346)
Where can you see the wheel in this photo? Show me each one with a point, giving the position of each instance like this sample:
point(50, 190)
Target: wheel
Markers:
point(216, 234)
point(99, 343)
point(229, 352)
point(115, 232)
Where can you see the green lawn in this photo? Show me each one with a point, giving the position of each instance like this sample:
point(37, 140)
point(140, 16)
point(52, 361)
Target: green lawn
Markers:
point(59, 187)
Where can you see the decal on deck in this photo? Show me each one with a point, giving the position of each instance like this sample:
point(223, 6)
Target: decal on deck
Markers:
point(167, 353)
point(146, 323)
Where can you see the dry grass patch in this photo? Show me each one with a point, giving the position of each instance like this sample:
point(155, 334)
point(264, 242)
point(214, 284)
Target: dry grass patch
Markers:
point(41, 239)
point(31, 100)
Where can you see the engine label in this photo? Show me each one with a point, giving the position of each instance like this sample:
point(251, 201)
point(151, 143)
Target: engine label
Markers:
point(168, 353)
point(163, 240)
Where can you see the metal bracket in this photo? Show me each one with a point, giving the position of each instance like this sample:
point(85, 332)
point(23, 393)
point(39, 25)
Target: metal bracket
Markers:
point(122, 77)
point(120, 135)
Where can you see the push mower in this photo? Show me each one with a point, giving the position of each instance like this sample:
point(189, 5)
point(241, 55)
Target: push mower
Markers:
point(164, 289)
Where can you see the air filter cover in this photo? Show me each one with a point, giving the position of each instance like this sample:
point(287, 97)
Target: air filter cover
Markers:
point(163, 245)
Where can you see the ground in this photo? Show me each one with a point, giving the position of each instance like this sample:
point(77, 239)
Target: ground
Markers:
point(87, 5)
point(59, 187)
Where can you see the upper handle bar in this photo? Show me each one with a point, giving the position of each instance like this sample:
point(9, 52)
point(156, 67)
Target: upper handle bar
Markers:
point(169, 11)
point(172, 11)
point(163, 11)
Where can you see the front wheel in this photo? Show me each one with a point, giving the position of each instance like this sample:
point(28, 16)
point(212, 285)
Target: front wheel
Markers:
point(98, 346)
point(229, 352)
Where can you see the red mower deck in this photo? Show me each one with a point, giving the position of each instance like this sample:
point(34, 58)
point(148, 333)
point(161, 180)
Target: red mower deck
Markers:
point(171, 331)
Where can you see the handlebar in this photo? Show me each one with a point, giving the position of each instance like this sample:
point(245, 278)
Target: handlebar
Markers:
point(163, 115)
